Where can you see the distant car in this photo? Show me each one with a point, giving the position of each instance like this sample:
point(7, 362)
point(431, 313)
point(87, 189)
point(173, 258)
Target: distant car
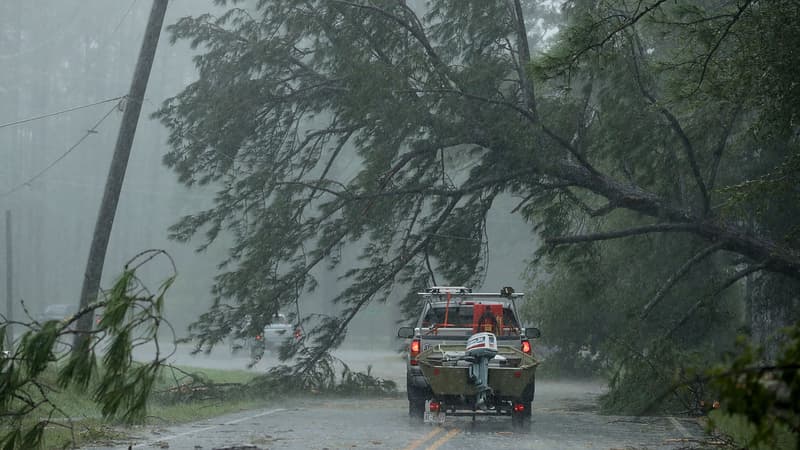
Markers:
point(272, 336)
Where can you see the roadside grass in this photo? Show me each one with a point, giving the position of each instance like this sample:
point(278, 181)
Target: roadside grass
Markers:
point(178, 397)
point(172, 376)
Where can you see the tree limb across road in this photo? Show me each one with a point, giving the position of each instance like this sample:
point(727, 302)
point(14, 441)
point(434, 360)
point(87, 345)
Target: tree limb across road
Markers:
point(404, 110)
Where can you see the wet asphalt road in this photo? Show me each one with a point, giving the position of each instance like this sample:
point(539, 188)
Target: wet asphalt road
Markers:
point(564, 417)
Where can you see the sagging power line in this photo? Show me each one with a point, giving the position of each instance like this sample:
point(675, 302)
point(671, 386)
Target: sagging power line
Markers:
point(89, 132)
point(58, 113)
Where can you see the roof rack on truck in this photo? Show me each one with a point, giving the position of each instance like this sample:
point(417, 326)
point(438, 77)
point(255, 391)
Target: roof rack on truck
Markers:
point(506, 292)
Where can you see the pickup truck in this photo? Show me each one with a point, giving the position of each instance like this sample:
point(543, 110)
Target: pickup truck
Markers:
point(468, 355)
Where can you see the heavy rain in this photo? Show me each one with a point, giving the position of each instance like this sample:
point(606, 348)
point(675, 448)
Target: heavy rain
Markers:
point(399, 224)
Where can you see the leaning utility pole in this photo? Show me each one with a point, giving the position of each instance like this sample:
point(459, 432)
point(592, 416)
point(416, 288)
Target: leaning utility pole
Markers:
point(119, 163)
point(9, 280)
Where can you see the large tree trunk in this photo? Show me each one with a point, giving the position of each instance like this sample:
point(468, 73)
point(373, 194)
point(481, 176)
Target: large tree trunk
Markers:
point(759, 250)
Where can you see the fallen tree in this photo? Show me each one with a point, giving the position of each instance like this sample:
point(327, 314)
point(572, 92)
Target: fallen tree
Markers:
point(392, 129)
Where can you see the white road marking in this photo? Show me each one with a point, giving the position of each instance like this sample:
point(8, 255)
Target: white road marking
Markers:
point(200, 430)
point(681, 429)
point(256, 416)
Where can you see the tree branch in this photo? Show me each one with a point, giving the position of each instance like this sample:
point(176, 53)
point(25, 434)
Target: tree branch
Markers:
point(441, 68)
point(529, 115)
point(628, 22)
point(524, 60)
point(757, 248)
point(543, 186)
point(647, 229)
point(683, 270)
point(421, 190)
point(720, 148)
point(674, 124)
point(582, 123)
point(725, 285)
point(592, 212)
point(717, 44)
point(430, 269)
point(336, 151)
point(399, 263)
point(524, 55)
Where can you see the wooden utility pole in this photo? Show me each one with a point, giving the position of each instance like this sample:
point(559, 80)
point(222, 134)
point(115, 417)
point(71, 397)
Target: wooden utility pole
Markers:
point(9, 285)
point(119, 164)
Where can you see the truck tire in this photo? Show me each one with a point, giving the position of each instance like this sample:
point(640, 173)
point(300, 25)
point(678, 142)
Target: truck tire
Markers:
point(417, 388)
point(522, 420)
point(527, 397)
point(416, 410)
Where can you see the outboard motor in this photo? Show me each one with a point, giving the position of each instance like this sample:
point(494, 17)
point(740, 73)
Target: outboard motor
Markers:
point(481, 347)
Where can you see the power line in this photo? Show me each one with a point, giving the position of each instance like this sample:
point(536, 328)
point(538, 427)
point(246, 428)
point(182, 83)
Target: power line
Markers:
point(89, 132)
point(64, 111)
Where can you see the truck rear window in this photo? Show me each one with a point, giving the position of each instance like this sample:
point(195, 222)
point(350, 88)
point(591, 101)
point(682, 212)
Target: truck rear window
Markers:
point(465, 316)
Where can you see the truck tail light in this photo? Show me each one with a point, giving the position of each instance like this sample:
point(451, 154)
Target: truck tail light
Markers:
point(414, 351)
point(519, 407)
point(434, 406)
point(526, 346)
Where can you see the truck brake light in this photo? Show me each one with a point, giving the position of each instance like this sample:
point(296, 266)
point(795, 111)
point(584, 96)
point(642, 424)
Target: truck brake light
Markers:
point(526, 346)
point(414, 350)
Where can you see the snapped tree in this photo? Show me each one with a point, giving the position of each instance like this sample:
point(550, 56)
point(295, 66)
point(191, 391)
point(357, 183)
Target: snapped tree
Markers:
point(678, 118)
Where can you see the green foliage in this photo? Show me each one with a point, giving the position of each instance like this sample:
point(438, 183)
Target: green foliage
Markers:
point(591, 299)
point(766, 394)
point(36, 371)
point(390, 130)
point(736, 431)
point(180, 395)
point(676, 104)
point(364, 383)
point(303, 87)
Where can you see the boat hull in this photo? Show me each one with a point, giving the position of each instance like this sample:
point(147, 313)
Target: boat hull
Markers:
point(509, 375)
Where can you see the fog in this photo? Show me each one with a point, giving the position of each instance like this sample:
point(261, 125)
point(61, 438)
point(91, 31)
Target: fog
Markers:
point(345, 141)
point(61, 54)
point(58, 55)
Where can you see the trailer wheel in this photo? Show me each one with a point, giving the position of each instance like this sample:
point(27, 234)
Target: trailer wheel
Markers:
point(416, 410)
point(521, 420)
